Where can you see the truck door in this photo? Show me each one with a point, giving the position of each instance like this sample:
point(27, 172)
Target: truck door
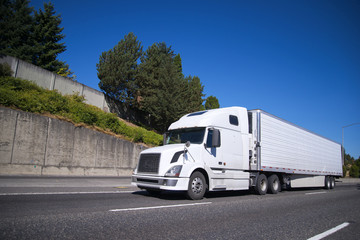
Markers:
point(212, 155)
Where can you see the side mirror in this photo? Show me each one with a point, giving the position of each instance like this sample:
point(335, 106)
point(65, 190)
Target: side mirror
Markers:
point(216, 141)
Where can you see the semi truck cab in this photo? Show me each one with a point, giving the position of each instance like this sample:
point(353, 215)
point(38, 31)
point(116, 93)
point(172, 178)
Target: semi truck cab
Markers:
point(205, 150)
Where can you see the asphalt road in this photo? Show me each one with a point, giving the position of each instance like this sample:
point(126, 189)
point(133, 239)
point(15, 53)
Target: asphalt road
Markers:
point(111, 209)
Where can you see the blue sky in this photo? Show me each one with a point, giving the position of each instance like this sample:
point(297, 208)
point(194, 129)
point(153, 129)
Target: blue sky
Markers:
point(298, 60)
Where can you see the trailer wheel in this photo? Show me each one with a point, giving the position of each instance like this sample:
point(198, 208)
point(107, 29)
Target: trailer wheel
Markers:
point(197, 186)
point(327, 182)
point(261, 186)
point(332, 182)
point(274, 184)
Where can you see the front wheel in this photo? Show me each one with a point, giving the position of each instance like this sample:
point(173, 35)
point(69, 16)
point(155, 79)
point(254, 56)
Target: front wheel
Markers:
point(261, 186)
point(197, 186)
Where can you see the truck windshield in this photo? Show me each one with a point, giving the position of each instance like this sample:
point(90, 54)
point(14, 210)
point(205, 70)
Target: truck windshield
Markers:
point(194, 135)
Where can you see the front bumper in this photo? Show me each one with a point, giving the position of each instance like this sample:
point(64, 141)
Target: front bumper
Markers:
point(163, 183)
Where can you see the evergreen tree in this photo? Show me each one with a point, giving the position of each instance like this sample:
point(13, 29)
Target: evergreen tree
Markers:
point(211, 103)
point(16, 27)
point(156, 87)
point(354, 171)
point(177, 62)
point(194, 94)
point(32, 37)
point(47, 34)
point(162, 91)
point(118, 68)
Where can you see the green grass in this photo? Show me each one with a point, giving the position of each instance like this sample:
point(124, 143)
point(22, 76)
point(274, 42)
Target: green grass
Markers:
point(27, 96)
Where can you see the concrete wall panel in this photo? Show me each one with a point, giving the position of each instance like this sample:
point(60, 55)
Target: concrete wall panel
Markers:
point(20, 169)
point(107, 151)
point(85, 147)
point(126, 154)
point(36, 74)
point(67, 86)
point(30, 139)
point(60, 143)
point(7, 129)
point(92, 96)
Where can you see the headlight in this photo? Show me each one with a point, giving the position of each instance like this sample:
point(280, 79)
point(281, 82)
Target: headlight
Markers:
point(174, 171)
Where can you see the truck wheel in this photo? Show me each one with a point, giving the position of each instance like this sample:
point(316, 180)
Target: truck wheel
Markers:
point(327, 182)
point(332, 182)
point(274, 184)
point(197, 186)
point(261, 185)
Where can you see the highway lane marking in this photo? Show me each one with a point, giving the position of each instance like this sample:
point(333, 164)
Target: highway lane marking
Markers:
point(62, 193)
point(330, 231)
point(312, 193)
point(157, 207)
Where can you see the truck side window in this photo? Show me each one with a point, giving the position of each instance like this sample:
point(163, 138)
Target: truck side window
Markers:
point(234, 120)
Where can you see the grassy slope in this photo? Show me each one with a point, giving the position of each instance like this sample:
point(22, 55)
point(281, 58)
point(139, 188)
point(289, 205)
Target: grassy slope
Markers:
point(27, 96)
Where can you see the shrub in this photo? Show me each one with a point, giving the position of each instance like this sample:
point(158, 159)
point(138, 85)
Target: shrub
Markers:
point(5, 70)
point(54, 102)
point(18, 84)
point(354, 171)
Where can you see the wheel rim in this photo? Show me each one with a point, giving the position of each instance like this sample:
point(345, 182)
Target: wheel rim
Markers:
point(275, 185)
point(197, 185)
point(263, 185)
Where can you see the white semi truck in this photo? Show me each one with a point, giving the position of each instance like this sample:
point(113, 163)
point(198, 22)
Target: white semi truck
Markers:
point(237, 149)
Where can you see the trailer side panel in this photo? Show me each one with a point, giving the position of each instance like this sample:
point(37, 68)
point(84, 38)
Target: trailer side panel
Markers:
point(288, 148)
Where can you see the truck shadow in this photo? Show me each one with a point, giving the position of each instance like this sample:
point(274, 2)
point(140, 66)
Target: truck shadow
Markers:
point(164, 195)
point(180, 195)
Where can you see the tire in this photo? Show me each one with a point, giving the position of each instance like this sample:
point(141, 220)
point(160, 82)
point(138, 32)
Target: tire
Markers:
point(332, 182)
point(274, 184)
point(261, 186)
point(327, 182)
point(197, 186)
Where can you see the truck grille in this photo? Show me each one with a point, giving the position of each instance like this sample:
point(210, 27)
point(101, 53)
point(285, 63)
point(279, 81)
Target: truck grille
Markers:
point(149, 163)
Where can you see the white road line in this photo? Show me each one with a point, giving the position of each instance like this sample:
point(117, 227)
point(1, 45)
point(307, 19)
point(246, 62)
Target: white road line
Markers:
point(156, 207)
point(62, 193)
point(329, 232)
point(312, 193)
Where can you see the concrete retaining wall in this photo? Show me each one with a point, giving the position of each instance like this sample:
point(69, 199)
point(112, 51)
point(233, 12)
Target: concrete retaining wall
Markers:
point(51, 81)
point(36, 145)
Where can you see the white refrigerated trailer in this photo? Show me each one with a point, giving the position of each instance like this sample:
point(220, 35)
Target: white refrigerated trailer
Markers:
point(236, 149)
